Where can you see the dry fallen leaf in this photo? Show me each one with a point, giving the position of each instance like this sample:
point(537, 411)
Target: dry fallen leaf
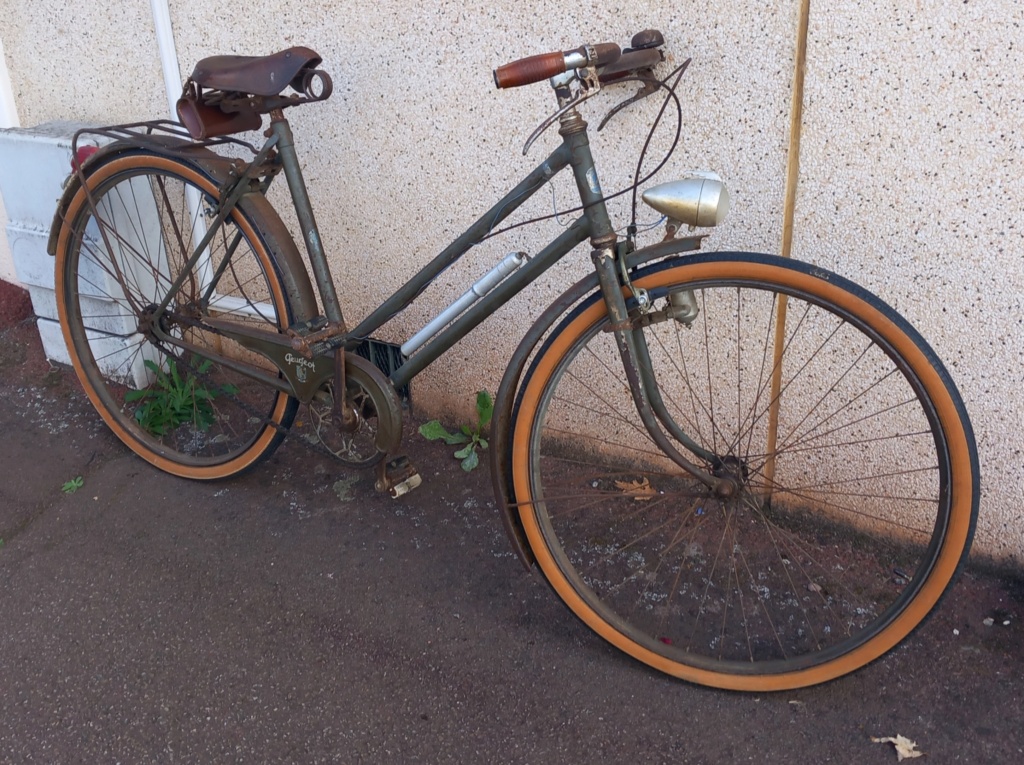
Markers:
point(905, 748)
point(640, 490)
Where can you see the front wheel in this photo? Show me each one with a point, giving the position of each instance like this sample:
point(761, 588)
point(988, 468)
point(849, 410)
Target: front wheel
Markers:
point(851, 451)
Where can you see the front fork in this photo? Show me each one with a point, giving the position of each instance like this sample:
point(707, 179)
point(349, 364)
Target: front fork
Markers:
point(631, 343)
point(646, 393)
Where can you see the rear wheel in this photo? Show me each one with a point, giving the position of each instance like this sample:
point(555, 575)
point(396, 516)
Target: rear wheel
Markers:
point(180, 408)
point(850, 450)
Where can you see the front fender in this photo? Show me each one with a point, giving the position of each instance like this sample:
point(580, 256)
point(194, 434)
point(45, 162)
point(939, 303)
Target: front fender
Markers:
point(502, 423)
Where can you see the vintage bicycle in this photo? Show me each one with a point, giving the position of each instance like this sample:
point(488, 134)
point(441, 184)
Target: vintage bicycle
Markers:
point(742, 470)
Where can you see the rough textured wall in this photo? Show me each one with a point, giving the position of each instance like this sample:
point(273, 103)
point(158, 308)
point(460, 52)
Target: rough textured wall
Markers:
point(83, 61)
point(88, 62)
point(910, 167)
point(416, 141)
point(912, 182)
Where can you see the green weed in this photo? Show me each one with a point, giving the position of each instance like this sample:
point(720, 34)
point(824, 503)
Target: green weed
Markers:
point(472, 437)
point(70, 487)
point(173, 399)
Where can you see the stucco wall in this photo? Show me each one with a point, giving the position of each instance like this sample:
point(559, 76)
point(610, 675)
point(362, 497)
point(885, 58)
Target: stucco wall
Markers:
point(910, 177)
point(416, 141)
point(912, 183)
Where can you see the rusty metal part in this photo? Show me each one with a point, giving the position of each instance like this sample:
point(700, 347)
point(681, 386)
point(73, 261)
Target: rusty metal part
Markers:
point(303, 343)
point(345, 416)
point(570, 121)
point(318, 84)
point(387, 405)
point(671, 229)
point(397, 477)
point(628, 323)
point(649, 86)
point(364, 424)
point(631, 62)
point(304, 376)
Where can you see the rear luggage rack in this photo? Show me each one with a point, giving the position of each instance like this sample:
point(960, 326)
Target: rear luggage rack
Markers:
point(163, 136)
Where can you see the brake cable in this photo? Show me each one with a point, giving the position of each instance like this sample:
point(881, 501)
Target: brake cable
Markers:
point(677, 74)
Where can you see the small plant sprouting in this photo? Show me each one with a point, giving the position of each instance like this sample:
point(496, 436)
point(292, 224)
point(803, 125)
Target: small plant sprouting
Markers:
point(173, 400)
point(472, 437)
point(70, 487)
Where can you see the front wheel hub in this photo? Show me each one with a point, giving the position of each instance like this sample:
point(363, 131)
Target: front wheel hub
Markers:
point(732, 473)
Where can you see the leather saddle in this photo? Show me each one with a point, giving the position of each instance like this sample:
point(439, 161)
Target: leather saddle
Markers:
point(256, 75)
point(239, 89)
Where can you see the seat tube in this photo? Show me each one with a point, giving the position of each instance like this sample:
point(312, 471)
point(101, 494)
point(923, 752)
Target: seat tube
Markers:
point(304, 212)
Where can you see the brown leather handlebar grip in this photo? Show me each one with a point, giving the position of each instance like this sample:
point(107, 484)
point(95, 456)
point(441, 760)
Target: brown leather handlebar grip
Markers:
point(529, 70)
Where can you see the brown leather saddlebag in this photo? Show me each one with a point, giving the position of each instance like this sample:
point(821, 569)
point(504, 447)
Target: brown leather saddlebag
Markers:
point(203, 121)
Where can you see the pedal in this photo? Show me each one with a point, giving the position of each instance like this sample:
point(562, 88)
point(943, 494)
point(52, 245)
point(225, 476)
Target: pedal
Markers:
point(398, 477)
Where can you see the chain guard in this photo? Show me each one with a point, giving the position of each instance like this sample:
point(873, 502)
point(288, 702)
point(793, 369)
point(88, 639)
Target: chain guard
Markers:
point(377, 416)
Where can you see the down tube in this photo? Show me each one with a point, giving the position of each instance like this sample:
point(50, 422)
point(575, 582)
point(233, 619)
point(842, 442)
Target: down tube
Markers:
point(408, 292)
point(578, 232)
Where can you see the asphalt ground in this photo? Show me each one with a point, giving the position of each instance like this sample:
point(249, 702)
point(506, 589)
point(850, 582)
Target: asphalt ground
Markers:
point(293, 615)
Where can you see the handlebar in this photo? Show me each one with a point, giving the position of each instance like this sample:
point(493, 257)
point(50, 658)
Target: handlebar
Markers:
point(614, 63)
point(532, 69)
point(629, 62)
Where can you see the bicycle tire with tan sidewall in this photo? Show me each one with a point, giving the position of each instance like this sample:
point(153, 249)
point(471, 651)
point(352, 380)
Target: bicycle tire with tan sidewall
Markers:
point(253, 218)
point(949, 541)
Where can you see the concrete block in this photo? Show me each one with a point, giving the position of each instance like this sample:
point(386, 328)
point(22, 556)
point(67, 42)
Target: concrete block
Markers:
point(53, 341)
point(33, 165)
point(32, 264)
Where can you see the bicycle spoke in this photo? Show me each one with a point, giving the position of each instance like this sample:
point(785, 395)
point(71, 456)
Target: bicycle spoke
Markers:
point(763, 576)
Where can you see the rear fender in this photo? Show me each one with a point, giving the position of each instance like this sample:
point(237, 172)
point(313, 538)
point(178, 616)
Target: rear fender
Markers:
point(290, 265)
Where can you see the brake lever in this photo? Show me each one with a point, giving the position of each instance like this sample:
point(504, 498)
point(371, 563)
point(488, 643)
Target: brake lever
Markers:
point(648, 87)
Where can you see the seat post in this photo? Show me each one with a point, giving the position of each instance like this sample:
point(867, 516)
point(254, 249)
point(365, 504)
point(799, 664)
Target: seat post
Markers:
point(304, 211)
